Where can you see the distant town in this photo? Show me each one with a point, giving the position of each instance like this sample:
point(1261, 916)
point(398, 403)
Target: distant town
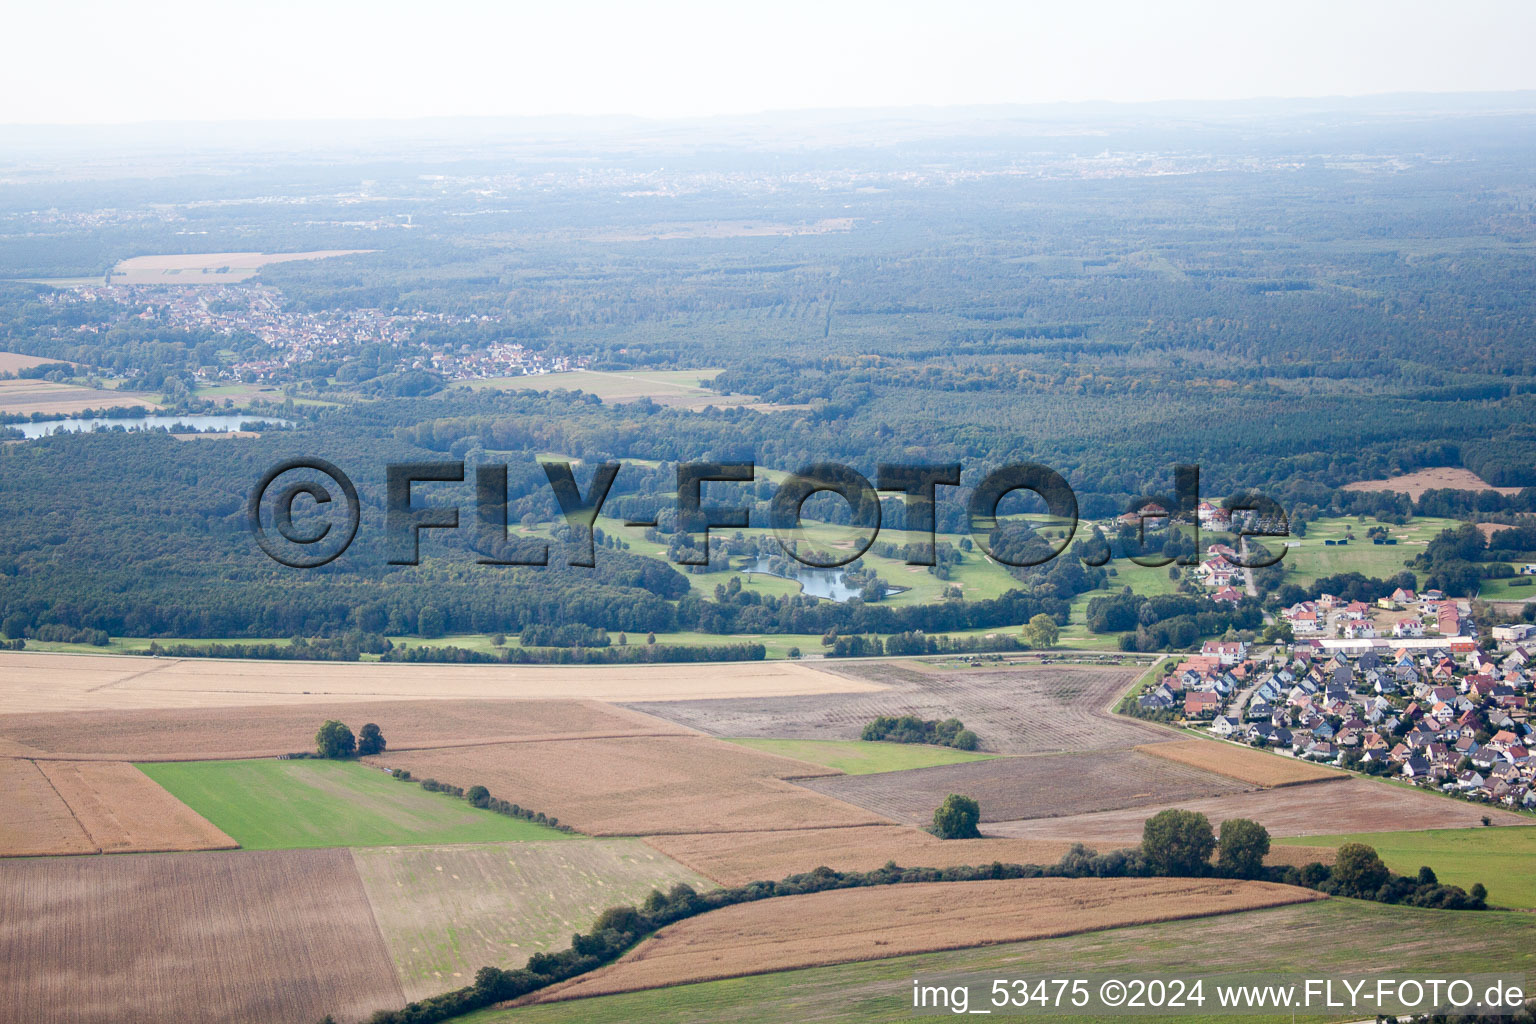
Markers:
point(299, 338)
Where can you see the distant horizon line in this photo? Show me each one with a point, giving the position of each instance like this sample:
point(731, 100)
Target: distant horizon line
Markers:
point(922, 111)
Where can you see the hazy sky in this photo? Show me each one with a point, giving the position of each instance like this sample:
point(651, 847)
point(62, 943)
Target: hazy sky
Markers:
point(79, 61)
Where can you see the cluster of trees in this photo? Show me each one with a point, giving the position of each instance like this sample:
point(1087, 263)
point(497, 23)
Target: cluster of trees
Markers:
point(335, 740)
point(350, 646)
point(1180, 842)
point(1167, 621)
point(1350, 586)
point(957, 818)
point(950, 732)
point(570, 635)
point(15, 627)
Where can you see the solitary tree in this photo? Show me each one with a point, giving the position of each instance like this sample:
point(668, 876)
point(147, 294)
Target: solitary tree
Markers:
point(1178, 842)
point(1042, 631)
point(370, 740)
point(1241, 849)
point(1358, 870)
point(335, 740)
point(956, 818)
point(478, 795)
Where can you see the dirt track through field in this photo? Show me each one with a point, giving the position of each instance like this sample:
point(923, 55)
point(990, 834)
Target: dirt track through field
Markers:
point(254, 937)
point(1351, 805)
point(55, 682)
point(1018, 709)
point(896, 920)
point(1044, 786)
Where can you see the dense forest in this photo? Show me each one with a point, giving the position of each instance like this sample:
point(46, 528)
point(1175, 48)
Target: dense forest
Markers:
point(1232, 294)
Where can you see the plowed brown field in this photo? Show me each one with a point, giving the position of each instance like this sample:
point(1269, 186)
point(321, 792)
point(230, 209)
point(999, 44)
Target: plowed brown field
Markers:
point(255, 937)
point(646, 786)
point(1010, 788)
point(34, 819)
point(1016, 709)
point(896, 920)
point(123, 810)
point(1255, 767)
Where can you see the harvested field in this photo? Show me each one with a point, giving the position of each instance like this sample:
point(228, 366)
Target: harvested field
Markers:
point(54, 682)
point(1045, 786)
point(1013, 709)
point(1300, 856)
point(845, 925)
point(1353, 805)
point(234, 733)
point(1255, 767)
point(122, 810)
point(34, 820)
point(645, 786)
point(1440, 478)
point(209, 267)
point(736, 858)
point(10, 362)
point(676, 389)
point(29, 396)
point(447, 911)
point(242, 936)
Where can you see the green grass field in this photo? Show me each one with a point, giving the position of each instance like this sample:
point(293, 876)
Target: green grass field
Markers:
point(285, 805)
point(1516, 588)
point(1313, 558)
point(1503, 858)
point(1312, 940)
point(855, 757)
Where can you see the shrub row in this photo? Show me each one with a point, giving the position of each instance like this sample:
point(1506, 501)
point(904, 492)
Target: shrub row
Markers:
point(481, 797)
point(625, 655)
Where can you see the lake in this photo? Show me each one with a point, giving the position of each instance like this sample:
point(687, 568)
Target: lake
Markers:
point(201, 423)
point(829, 584)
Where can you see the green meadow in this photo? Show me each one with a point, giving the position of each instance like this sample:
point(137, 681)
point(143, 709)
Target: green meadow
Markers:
point(285, 805)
